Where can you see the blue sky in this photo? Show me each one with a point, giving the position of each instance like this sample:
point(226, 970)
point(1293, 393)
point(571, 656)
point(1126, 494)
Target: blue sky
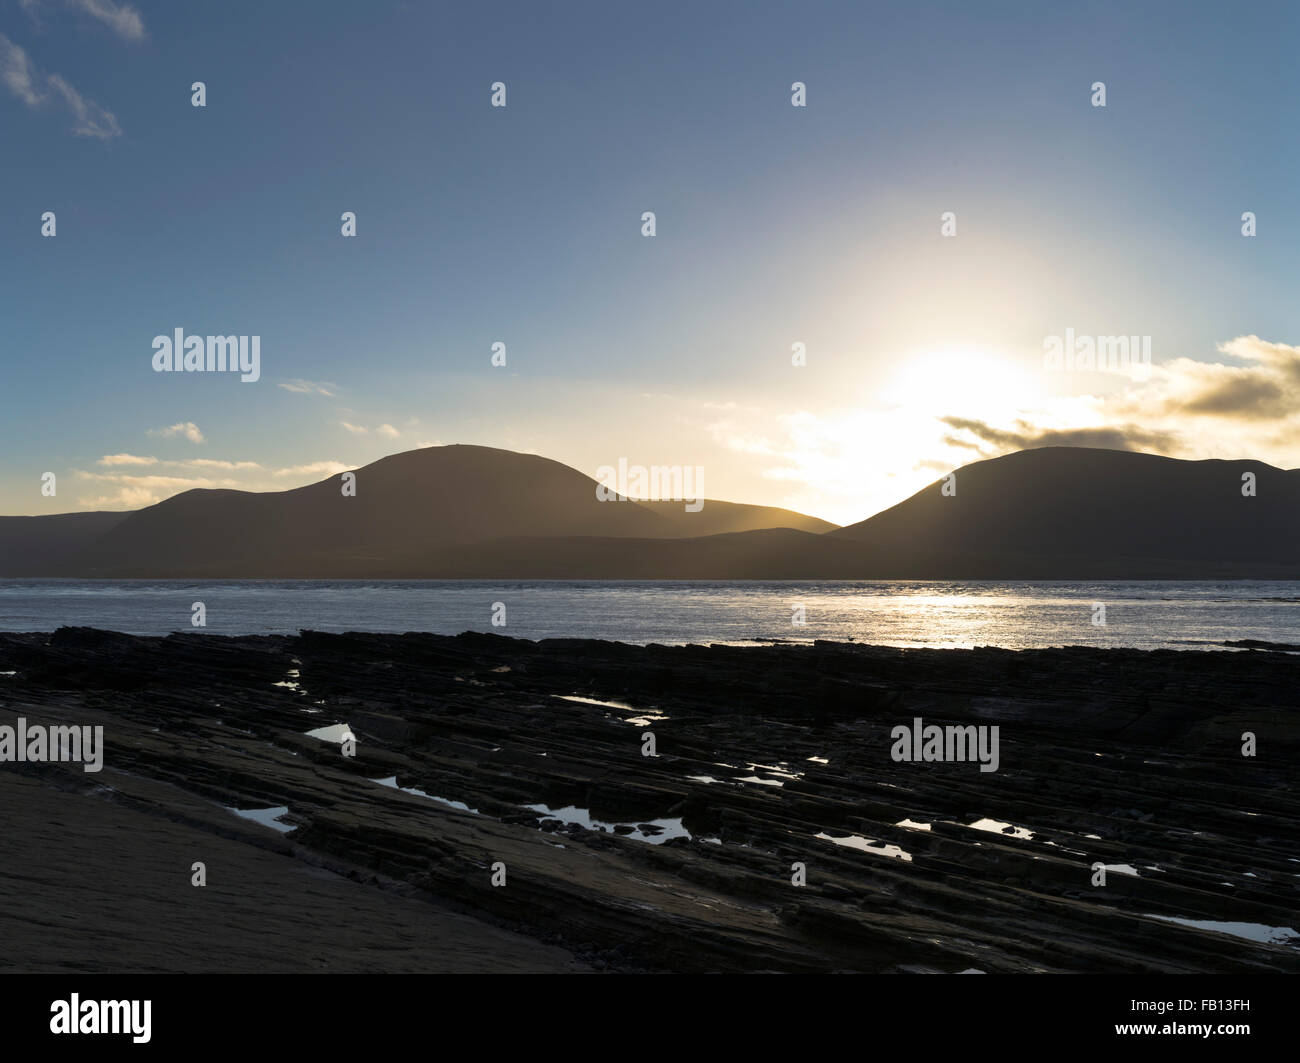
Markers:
point(775, 225)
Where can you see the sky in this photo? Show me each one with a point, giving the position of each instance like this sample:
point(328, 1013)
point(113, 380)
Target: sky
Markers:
point(775, 225)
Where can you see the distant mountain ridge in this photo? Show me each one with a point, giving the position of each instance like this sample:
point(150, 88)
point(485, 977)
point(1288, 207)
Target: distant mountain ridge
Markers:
point(1094, 513)
point(410, 506)
point(468, 512)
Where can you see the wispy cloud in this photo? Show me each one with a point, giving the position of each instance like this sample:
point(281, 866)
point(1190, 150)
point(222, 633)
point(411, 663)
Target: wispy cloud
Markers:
point(213, 463)
point(310, 387)
point(116, 460)
point(187, 429)
point(122, 19)
point(385, 430)
point(19, 75)
point(1185, 409)
point(326, 468)
point(182, 482)
point(1026, 436)
point(123, 498)
point(848, 463)
point(135, 491)
point(33, 9)
point(168, 477)
point(92, 120)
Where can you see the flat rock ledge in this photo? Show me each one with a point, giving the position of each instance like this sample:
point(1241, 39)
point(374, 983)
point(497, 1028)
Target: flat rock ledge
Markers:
point(479, 756)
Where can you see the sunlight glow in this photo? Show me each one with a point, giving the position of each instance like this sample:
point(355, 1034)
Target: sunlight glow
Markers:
point(962, 382)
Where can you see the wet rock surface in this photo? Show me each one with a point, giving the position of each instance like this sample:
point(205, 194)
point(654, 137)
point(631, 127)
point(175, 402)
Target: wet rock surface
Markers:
point(479, 750)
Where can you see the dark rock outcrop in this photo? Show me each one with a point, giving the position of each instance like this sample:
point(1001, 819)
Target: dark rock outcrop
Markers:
point(766, 758)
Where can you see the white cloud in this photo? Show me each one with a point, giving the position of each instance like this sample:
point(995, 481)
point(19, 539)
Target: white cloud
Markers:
point(115, 460)
point(213, 463)
point(385, 430)
point(188, 429)
point(132, 491)
point(154, 480)
point(310, 387)
point(124, 498)
point(122, 19)
point(328, 468)
point(17, 72)
point(20, 76)
point(848, 463)
point(136, 491)
point(92, 120)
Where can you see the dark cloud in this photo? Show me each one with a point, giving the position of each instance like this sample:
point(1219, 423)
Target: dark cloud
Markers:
point(1027, 437)
point(1243, 397)
point(1269, 390)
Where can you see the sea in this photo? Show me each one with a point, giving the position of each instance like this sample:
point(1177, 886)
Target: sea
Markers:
point(1149, 614)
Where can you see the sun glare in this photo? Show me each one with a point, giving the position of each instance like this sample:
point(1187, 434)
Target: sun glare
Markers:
point(960, 382)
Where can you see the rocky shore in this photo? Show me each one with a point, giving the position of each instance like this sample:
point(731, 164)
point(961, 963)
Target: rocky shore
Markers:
point(480, 758)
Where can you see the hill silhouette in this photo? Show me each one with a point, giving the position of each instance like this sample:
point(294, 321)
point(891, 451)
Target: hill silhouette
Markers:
point(407, 506)
point(480, 513)
point(1075, 512)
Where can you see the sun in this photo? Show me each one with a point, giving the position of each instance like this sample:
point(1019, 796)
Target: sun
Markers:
point(960, 382)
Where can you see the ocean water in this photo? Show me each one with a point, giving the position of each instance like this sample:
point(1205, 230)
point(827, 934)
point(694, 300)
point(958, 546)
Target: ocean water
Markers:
point(1178, 614)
